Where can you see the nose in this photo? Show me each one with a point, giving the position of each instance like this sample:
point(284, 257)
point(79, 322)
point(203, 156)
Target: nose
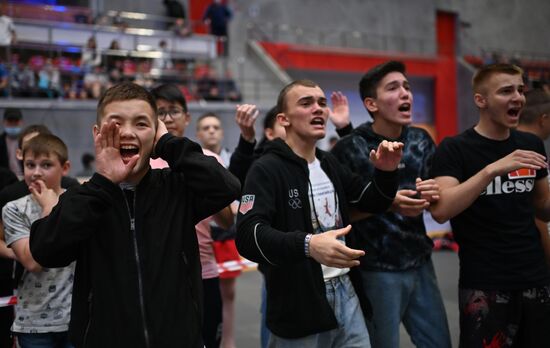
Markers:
point(125, 131)
point(37, 172)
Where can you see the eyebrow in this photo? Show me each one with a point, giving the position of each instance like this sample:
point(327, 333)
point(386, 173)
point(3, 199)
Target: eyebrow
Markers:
point(310, 98)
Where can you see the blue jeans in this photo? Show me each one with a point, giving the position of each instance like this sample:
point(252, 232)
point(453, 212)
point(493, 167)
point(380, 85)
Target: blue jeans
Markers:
point(411, 297)
point(264, 331)
point(44, 340)
point(351, 332)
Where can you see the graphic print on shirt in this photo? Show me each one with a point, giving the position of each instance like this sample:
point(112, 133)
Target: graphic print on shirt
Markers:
point(517, 181)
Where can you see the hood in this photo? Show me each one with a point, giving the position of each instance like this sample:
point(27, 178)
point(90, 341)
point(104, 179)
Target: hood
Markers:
point(281, 149)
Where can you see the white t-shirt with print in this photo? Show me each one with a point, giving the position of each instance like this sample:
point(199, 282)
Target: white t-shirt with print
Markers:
point(325, 214)
point(43, 298)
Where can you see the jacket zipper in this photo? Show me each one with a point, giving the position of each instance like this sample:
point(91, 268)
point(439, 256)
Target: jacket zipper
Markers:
point(140, 281)
point(85, 343)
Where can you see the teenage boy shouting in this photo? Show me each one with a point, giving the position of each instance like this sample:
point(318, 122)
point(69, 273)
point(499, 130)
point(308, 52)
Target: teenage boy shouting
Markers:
point(293, 219)
point(132, 230)
point(397, 270)
point(492, 182)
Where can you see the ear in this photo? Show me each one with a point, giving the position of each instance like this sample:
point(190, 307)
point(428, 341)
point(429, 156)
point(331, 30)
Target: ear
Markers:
point(480, 100)
point(268, 132)
point(19, 154)
point(370, 104)
point(95, 130)
point(283, 120)
point(66, 168)
point(187, 119)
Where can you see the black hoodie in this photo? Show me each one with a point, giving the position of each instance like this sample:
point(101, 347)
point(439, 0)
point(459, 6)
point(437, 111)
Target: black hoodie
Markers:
point(137, 287)
point(274, 218)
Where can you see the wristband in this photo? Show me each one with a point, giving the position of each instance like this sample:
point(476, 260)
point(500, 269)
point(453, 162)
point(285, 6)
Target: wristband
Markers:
point(306, 244)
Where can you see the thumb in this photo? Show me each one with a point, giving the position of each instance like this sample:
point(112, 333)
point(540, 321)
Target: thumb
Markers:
point(342, 231)
point(418, 180)
point(372, 155)
point(132, 163)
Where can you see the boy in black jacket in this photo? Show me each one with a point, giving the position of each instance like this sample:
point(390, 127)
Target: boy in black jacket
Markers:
point(292, 194)
point(131, 230)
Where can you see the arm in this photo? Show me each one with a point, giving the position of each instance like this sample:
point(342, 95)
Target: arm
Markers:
point(214, 187)
point(455, 197)
point(5, 252)
point(22, 253)
point(379, 193)
point(242, 158)
point(224, 218)
point(541, 199)
point(544, 238)
point(17, 229)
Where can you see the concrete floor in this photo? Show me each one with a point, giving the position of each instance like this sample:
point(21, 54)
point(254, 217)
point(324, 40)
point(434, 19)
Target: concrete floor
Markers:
point(248, 302)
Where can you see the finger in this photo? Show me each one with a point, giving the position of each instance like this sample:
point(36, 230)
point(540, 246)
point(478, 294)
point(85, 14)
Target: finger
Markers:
point(132, 163)
point(373, 156)
point(342, 231)
point(103, 133)
point(412, 202)
point(347, 253)
point(116, 137)
point(406, 193)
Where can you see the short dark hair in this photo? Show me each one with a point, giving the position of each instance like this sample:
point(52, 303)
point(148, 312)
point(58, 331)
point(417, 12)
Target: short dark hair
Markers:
point(369, 82)
point(33, 128)
point(47, 144)
point(281, 99)
point(13, 114)
point(486, 71)
point(171, 93)
point(205, 115)
point(270, 118)
point(122, 92)
point(537, 103)
point(86, 159)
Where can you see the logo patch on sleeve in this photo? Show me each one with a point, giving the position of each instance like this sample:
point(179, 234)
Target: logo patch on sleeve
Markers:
point(247, 203)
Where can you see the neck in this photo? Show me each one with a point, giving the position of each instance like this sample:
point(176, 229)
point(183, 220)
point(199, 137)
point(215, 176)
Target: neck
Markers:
point(491, 130)
point(389, 130)
point(217, 149)
point(301, 147)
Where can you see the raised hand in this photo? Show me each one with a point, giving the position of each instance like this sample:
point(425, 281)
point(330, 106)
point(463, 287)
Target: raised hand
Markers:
point(326, 249)
point(428, 189)
point(46, 197)
point(109, 161)
point(387, 156)
point(245, 116)
point(517, 160)
point(339, 114)
point(406, 205)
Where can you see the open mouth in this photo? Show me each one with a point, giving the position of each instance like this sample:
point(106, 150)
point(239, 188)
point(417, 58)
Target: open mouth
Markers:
point(514, 112)
point(405, 107)
point(128, 151)
point(318, 121)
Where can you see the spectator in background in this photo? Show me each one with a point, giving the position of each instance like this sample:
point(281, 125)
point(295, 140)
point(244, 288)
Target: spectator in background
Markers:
point(217, 16)
point(95, 82)
point(7, 36)
point(88, 165)
point(163, 62)
point(91, 56)
point(23, 81)
point(176, 10)
point(13, 121)
point(535, 118)
point(180, 28)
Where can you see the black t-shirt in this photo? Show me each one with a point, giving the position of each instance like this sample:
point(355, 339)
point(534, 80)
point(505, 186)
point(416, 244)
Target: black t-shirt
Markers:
point(500, 246)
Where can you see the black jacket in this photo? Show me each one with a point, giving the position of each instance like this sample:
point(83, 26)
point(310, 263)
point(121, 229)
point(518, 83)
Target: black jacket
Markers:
point(275, 222)
point(148, 283)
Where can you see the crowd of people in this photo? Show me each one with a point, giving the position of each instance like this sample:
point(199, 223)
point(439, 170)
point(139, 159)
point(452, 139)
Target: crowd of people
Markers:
point(27, 73)
point(130, 257)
